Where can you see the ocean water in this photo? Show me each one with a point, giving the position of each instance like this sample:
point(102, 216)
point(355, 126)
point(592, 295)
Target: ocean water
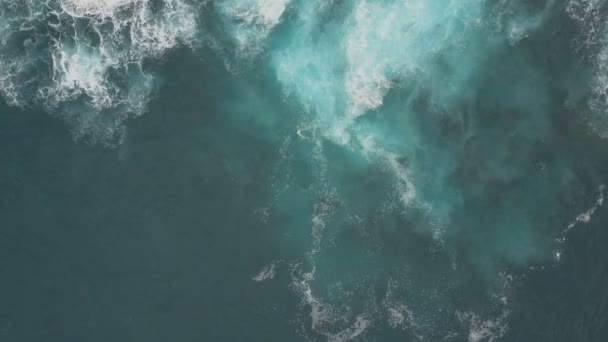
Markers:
point(303, 170)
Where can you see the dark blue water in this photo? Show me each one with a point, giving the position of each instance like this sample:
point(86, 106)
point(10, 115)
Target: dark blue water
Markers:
point(303, 170)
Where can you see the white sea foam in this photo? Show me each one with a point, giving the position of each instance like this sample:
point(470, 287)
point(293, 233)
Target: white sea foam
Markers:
point(583, 10)
point(281, 177)
point(585, 217)
point(94, 53)
point(8, 89)
point(267, 273)
point(387, 42)
point(590, 15)
point(399, 314)
point(251, 21)
point(359, 326)
point(405, 187)
point(95, 7)
point(366, 82)
point(77, 71)
point(336, 322)
point(325, 318)
point(486, 330)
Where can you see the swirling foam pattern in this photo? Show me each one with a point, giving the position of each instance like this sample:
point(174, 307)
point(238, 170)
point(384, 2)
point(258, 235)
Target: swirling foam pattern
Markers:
point(387, 80)
point(85, 60)
point(429, 130)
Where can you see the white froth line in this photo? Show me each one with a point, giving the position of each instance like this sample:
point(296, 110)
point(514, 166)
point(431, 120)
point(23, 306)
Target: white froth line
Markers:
point(586, 216)
point(267, 273)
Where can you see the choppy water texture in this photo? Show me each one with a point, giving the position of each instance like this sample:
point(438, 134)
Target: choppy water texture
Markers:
point(319, 170)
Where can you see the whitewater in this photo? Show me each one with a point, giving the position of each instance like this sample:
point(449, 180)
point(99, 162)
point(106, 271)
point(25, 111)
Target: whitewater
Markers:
point(426, 157)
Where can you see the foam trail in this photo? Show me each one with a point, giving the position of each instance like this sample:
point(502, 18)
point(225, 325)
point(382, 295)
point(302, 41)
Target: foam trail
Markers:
point(587, 215)
point(584, 218)
point(267, 273)
point(412, 86)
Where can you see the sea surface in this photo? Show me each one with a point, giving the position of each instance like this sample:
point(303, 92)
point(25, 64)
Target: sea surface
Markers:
point(303, 170)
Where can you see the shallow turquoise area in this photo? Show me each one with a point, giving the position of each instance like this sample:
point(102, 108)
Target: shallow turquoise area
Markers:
point(290, 170)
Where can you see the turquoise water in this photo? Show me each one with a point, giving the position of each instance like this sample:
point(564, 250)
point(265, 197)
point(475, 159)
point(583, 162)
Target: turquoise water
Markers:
point(290, 170)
